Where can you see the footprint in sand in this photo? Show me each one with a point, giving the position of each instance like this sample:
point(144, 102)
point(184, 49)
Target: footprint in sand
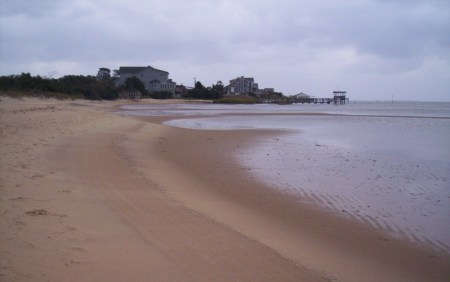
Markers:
point(37, 212)
point(43, 212)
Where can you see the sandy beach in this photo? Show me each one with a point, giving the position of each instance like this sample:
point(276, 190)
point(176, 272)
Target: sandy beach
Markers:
point(87, 194)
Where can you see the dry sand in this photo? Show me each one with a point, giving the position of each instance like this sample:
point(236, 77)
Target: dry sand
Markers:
point(88, 195)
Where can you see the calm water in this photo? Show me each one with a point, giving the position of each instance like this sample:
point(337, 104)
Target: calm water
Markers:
point(384, 164)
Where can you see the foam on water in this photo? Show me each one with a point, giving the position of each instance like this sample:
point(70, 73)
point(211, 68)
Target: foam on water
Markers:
point(391, 172)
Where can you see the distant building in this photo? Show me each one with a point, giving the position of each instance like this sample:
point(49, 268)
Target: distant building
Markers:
point(302, 95)
point(265, 91)
point(242, 85)
point(180, 91)
point(153, 79)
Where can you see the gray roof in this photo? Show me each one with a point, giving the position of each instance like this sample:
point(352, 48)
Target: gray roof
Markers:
point(134, 70)
point(241, 77)
point(301, 94)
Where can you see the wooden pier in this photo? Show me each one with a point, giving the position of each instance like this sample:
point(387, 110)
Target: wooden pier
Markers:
point(322, 100)
point(339, 98)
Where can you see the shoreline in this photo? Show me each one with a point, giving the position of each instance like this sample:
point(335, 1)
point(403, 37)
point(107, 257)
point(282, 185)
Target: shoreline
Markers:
point(99, 196)
point(295, 230)
point(372, 181)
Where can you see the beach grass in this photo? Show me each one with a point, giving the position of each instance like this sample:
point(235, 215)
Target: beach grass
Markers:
point(237, 100)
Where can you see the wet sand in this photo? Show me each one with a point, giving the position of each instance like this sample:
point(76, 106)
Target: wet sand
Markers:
point(89, 195)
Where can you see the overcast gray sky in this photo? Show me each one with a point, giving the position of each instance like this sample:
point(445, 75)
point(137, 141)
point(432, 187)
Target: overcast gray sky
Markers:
point(373, 49)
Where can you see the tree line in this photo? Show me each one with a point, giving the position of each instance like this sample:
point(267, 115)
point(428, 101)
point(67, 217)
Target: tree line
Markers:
point(100, 87)
point(201, 92)
point(198, 92)
point(72, 86)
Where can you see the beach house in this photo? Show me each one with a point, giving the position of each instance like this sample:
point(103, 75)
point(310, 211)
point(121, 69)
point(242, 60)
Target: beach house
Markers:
point(242, 85)
point(153, 79)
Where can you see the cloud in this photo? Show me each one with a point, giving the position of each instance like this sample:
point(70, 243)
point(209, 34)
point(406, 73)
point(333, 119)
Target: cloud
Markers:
point(32, 9)
point(288, 44)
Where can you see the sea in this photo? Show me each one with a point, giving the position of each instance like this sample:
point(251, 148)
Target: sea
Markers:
point(383, 163)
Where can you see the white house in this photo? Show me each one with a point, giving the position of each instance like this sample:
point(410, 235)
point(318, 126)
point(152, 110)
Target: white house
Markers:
point(153, 79)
